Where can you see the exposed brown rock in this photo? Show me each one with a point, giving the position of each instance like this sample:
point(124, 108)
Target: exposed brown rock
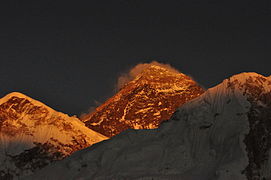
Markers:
point(152, 97)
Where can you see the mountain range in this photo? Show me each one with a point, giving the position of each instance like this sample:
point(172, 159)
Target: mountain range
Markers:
point(33, 135)
point(161, 125)
point(223, 134)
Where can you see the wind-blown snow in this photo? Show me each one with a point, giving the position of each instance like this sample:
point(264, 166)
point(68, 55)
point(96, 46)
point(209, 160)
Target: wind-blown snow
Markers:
point(204, 140)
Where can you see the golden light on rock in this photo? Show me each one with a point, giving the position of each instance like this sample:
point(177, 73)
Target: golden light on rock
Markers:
point(143, 103)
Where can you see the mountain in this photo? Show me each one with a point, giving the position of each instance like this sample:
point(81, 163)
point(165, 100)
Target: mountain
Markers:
point(223, 134)
point(33, 135)
point(145, 102)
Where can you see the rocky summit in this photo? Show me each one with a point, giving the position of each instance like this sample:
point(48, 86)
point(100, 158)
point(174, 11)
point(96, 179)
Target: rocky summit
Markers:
point(145, 102)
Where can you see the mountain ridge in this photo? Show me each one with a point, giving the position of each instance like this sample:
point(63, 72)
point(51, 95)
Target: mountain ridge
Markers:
point(32, 135)
point(209, 137)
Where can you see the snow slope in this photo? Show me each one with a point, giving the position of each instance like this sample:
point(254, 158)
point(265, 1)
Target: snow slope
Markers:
point(32, 135)
point(223, 134)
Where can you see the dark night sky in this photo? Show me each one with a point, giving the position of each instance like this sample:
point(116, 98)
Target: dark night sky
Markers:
point(68, 54)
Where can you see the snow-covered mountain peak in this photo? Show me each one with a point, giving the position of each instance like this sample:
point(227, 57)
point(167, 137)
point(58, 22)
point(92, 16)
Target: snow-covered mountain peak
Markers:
point(32, 135)
point(144, 102)
point(246, 85)
point(155, 74)
point(223, 134)
point(20, 100)
point(252, 79)
point(16, 94)
point(239, 105)
point(152, 69)
point(21, 96)
point(245, 75)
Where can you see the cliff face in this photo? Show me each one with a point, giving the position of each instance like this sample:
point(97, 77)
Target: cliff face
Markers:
point(33, 135)
point(143, 103)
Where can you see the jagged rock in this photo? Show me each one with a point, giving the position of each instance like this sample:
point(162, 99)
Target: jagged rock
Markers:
point(143, 103)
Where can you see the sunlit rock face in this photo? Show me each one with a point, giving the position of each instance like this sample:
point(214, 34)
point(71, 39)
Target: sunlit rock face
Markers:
point(33, 135)
point(224, 134)
point(145, 102)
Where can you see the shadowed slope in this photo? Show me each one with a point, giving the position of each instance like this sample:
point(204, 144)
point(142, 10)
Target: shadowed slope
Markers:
point(223, 134)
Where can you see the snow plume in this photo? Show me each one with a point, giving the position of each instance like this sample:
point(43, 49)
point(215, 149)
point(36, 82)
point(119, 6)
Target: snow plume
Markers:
point(133, 72)
point(124, 78)
point(90, 110)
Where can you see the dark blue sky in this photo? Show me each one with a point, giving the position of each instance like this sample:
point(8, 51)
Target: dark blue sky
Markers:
point(68, 54)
